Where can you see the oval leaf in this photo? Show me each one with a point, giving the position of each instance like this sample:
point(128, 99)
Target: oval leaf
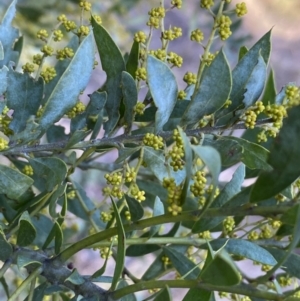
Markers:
point(163, 88)
point(213, 91)
point(284, 158)
point(70, 85)
point(13, 183)
point(27, 232)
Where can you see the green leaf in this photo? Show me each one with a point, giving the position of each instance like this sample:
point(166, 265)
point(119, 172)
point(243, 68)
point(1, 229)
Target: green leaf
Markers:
point(5, 247)
point(130, 97)
point(48, 172)
point(212, 160)
point(75, 278)
point(72, 82)
point(229, 150)
point(155, 269)
point(291, 265)
point(120, 261)
point(135, 208)
point(255, 83)
point(8, 35)
point(213, 91)
point(188, 158)
point(60, 68)
point(290, 216)
point(133, 59)
point(242, 52)
point(99, 99)
point(13, 183)
point(254, 155)
point(58, 237)
point(164, 295)
point(243, 72)
point(231, 189)
point(101, 271)
point(125, 152)
point(39, 292)
point(163, 87)
point(284, 158)
point(198, 294)
point(244, 248)
point(158, 209)
point(155, 160)
point(27, 232)
point(129, 297)
point(221, 270)
point(24, 259)
point(3, 85)
point(182, 264)
point(269, 94)
point(24, 95)
point(113, 64)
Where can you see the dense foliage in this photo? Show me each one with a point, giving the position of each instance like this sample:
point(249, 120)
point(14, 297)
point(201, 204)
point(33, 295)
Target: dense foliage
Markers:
point(162, 194)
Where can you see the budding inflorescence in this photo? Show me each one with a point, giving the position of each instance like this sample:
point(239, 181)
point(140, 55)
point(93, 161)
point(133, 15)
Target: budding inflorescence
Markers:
point(154, 141)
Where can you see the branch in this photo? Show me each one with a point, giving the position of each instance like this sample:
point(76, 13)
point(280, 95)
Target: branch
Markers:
point(122, 139)
point(56, 273)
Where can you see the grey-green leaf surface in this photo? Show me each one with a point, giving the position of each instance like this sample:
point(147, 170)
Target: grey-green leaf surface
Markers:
point(75, 278)
point(270, 92)
point(243, 70)
point(231, 189)
point(135, 208)
point(72, 82)
point(255, 83)
point(5, 247)
point(188, 158)
point(130, 97)
point(129, 297)
point(213, 91)
point(133, 59)
point(155, 269)
point(229, 150)
point(113, 64)
point(197, 294)
point(182, 264)
point(8, 35)
point(120, 261)
point(221, 270)
point(244, 248)
point(284, 158)
point(163, 87)
point(155, 160)
point(158, 209)
point(212, 160)
point(254, 155)
point(27, 232)
point(3, 84)
point(48, 172)
point(13, 183)
point(24, 96)
point(100, 98)
point(60, 68)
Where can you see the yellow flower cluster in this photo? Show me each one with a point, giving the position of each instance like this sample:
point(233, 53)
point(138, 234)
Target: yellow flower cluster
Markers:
point(190, 78)
point(140, 37)
point(154, 141)
point(241, 9)
point(141, 73)
point(28, 170)
point(174, 193)
point(224, 23)
point(48, 74)
point(207, 3)
point(139, 108)
point(77, 109)
point(197, 35)
point(64, 53)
